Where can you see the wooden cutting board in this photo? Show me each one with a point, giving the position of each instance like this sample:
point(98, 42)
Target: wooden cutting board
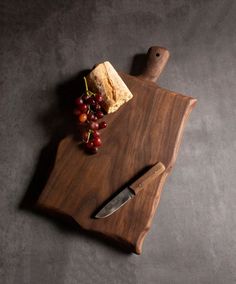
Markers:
point(144, 131)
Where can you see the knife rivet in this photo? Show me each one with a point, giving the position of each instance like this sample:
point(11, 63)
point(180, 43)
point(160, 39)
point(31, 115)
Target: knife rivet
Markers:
point(140, 185)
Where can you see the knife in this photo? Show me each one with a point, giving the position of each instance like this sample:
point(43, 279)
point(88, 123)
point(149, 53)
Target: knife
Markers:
point(129, 192)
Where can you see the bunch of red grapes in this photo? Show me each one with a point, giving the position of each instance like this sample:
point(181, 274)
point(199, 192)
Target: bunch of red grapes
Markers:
point(89, 109)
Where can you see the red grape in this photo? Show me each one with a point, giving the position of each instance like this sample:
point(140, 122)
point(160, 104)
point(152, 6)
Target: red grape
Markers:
point(83, 117)
point(97, 107)
point(94, 125)
point(85, 97)
point(79, 101)
point(97, 141)
point(83, 107)
point(102, 124)
point(90, 116)
point(96, 133)
point(98, 98)
point(85, 135)
point(99, 114)
point(89, 144)
point(95, 118)
point(91, 101)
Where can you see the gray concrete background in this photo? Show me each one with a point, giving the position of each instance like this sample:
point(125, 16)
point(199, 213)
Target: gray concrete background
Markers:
point(44, 43)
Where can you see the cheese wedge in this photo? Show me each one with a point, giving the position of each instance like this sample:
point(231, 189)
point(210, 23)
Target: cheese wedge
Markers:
point(105, 80)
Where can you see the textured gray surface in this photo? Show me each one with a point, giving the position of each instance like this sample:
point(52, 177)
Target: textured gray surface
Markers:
point(43, 43)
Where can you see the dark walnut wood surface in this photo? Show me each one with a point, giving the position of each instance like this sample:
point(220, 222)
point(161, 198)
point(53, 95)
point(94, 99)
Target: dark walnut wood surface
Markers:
point(144, 131)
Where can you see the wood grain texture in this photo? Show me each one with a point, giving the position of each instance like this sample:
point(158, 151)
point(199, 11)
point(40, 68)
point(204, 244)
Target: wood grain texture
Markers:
point(150, 175)
point(157, 58)
point(146, 130)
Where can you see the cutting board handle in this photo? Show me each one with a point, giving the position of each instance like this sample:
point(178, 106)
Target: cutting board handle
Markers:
point(157, 58)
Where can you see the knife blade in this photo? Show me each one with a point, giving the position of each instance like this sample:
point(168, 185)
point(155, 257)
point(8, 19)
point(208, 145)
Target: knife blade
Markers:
point(129, 192)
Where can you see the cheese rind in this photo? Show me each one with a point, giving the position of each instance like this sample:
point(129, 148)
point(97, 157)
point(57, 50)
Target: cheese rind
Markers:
point(105, 80)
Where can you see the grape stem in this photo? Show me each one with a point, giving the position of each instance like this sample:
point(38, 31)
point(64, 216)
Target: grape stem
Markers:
point(88, 109)
point(86, 85)
point(89, 93)
point(89, 134)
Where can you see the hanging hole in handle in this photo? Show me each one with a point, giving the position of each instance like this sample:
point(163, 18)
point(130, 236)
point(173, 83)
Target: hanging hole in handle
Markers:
point(157, 54)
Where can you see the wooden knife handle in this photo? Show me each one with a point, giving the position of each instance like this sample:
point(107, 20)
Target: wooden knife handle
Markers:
point(157, 58)
point(145, 179)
